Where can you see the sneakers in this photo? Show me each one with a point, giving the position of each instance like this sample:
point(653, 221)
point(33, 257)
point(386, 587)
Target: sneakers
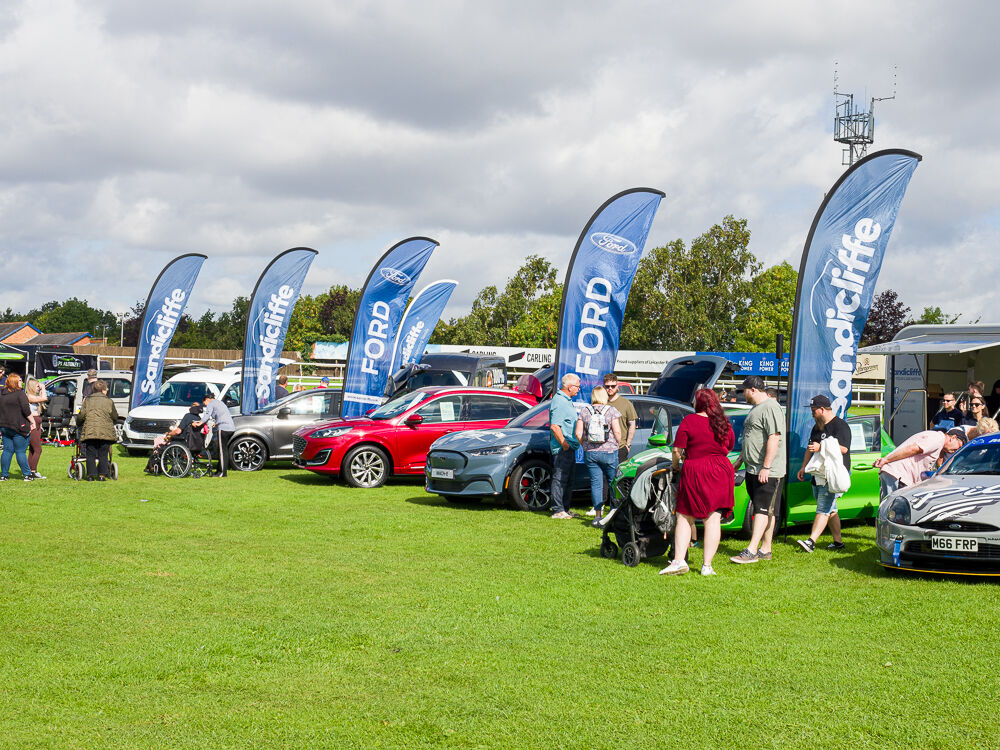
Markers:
point(592, 513)
point(676, 567)
point(807, 544)
point(29, 478)
point(3, 479)
point(763, 555)
point(561, 514)
point(836, 546)
point(708, 570)
point(745, 557)
point(36, 475)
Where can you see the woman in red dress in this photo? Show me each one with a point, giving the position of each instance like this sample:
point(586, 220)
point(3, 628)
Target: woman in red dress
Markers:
point(707, 478)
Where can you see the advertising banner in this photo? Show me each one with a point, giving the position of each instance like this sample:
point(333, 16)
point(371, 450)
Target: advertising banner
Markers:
point(840, 266)
point(268, 316)
point(598, 281)
point(49, 363)
point(419, 322)
point(164, 308)
point(377, 320)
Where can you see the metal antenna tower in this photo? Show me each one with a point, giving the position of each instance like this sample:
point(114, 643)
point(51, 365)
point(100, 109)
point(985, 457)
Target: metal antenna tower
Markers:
point(852, 126)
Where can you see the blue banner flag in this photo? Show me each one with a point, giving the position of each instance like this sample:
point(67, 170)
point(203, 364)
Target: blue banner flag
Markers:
point(380, 311)
point(598, 281)
point(164, 308)
point(840, 266)
point(268, 316)
point(419, 321)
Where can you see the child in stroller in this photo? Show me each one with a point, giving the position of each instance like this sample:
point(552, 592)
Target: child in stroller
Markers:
point(643, 514)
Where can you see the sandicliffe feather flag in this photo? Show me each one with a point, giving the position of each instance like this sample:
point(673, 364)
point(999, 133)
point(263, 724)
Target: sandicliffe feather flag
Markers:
point(597, 285)
point(840, 266)
point(419, 321)
point(164, 308)
point(383, 297)
point(268, 316)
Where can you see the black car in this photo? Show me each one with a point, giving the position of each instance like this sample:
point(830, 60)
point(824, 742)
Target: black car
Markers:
point(480, 371)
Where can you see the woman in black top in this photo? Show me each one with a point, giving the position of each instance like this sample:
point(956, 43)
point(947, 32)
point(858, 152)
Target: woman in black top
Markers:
point(15, 426)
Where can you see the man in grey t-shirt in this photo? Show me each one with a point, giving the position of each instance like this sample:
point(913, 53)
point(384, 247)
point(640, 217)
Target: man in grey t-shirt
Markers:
point(764, 457)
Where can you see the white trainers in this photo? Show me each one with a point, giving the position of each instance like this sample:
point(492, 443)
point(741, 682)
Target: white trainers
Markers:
point(707, 570)
point(592, 513)
point(676, 567)
point(561, 514)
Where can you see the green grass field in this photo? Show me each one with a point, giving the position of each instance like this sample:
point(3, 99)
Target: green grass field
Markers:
point(281, 610)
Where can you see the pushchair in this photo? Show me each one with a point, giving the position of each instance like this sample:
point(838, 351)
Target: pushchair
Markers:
point(643, 512)
point(78, 463)
point(186, 454)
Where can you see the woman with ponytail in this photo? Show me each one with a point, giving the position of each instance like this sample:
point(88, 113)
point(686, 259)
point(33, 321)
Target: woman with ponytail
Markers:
point(701, 446)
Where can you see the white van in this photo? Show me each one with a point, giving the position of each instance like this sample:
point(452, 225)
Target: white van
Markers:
point(146, 423)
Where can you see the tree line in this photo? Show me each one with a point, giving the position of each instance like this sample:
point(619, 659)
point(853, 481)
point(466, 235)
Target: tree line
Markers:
point(712, 294)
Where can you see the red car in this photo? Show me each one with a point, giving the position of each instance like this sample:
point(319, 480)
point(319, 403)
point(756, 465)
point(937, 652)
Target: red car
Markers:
point(395, 438)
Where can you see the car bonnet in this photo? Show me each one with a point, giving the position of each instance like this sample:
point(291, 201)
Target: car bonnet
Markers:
point(951, 497)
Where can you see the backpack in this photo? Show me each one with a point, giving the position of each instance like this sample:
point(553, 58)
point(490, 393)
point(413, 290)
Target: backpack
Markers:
point(598, 427)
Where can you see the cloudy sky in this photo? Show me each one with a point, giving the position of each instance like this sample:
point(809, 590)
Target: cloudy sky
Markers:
point(133, 132)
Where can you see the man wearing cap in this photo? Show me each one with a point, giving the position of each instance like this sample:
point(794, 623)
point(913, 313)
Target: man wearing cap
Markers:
point(764, 457)
point(324, 382)
point(915, 455)
point(828, 425)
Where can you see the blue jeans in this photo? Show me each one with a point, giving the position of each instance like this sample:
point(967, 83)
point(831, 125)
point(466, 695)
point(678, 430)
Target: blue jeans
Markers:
point(601, 465)
point(14, 443)
point(563, 463)
point(826, 501)
point(887, 484)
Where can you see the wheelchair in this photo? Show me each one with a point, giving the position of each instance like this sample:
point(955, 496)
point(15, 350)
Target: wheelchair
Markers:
point(178, 460)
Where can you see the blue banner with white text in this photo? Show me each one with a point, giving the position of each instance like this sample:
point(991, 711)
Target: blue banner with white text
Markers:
point(598, 281)
point(164, 308)
point(840, 266)
point(268, 316)
point(419, 321)
point(755, 363)
point(380, 311)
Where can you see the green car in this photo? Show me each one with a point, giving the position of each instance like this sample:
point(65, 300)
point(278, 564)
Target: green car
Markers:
point(868, 442)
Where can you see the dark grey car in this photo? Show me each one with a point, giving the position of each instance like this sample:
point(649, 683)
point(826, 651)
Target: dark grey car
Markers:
point(268, 435)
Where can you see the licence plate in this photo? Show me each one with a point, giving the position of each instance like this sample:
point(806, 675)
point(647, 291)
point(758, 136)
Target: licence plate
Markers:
point(442, 473)
point(954, 544)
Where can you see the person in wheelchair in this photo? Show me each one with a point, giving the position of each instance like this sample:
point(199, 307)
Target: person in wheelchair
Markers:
point(192, 433)
point(190, 430)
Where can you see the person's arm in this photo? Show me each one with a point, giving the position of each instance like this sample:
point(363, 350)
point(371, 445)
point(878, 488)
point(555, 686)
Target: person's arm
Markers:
point(631, 433)
point(897, 455)
point(677, 456)
point(770, 452)
point(616, 430)
point(578, 429)
point(558, 434)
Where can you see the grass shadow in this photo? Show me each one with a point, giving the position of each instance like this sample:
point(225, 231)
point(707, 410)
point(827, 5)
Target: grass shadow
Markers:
point(436, 501)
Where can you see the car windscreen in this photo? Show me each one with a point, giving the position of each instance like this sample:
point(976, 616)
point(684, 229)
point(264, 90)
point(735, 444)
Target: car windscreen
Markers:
point(536, 418)
point(737, 420)
point(975, 459)
point(397, 406)
point(184, 394)
point(448, 378)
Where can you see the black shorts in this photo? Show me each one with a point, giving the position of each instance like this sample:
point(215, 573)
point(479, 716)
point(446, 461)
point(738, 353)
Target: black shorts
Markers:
point(764, 496)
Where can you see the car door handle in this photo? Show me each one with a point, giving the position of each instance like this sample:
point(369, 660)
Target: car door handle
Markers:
point(862, 467)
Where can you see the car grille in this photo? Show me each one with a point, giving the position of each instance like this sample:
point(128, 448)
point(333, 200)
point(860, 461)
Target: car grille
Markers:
point(446, 485)
point(446, 460)
point(923, 547)
point(957, 525)
point(158, 426)
point(298, 445)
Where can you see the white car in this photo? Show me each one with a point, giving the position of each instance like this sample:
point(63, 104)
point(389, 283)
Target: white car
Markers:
point(146, 423)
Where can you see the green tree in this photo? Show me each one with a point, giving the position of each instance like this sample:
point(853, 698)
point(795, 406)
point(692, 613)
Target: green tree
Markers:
point(886, 318)
point(336, 312)
point(71, 316)
point(304, 328)
point(772, 301)
point(935, 316)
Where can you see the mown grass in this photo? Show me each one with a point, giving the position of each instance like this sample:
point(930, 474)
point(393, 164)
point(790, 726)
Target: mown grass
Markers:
point(281, 610)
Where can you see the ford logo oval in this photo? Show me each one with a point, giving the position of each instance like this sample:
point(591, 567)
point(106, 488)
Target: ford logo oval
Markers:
point(613, 243)
point(395, 276)
point(954, 526)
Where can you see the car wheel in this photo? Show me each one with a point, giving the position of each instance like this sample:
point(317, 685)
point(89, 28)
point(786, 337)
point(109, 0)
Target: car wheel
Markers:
point(609, 550)
point(530, 486)
point(366, 466)
point(630, 555)
point(247, 454)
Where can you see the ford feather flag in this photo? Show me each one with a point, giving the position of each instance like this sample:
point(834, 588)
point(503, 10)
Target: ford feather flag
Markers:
point(840, 266)
point(380, 310)
point(419, 321)
point(268, 316)
point(597, 285)
point(164, 308)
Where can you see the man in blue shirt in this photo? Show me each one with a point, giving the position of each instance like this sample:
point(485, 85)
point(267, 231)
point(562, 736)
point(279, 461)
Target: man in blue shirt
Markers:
point(563, 444)
point(224, 427)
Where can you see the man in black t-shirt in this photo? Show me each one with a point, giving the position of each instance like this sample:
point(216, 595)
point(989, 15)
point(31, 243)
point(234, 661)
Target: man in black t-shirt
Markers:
point(828, 425)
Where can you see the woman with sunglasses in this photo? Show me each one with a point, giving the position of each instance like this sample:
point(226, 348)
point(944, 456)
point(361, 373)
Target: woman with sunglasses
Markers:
point(977, 410)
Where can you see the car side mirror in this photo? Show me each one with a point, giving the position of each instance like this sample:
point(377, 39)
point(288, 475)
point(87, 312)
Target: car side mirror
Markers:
point(413, 420)
point(283, 412)
point(658, 441)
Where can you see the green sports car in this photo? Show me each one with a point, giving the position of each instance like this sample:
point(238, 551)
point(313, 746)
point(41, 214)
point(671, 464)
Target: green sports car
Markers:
point(868, 442)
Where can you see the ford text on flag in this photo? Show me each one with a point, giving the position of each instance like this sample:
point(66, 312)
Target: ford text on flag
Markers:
point(164, 308)
point(597, 285)
point(377, 321)
point(840, 267)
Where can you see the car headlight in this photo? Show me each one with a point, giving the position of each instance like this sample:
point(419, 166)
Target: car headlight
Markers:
point(330, 432)
point(494, 450)
point(899, 511)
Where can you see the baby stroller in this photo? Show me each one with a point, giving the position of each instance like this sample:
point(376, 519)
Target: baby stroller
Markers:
point(78, 464)
point(187, 454)
point(642, 513)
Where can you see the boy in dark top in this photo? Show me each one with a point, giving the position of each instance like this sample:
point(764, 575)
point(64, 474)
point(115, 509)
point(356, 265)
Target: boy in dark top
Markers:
point(828, 425)
point(949, 416)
